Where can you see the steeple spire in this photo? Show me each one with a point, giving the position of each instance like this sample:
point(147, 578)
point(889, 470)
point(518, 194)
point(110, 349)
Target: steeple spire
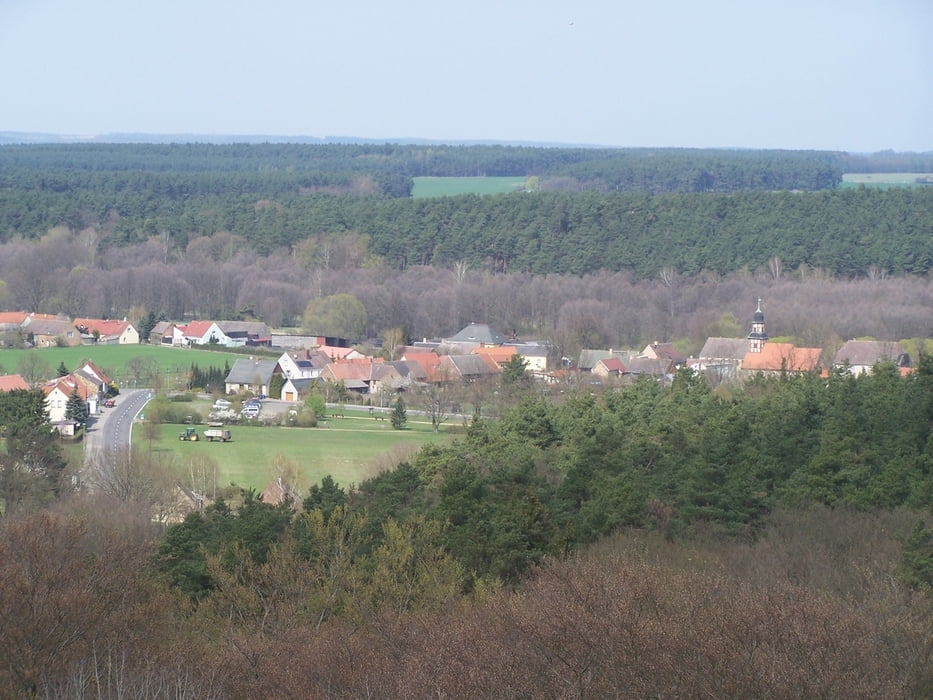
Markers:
point(757, 338)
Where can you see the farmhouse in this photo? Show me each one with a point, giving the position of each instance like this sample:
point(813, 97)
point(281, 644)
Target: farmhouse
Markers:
point(249, 374)
point(51, 332)
point(106, 332)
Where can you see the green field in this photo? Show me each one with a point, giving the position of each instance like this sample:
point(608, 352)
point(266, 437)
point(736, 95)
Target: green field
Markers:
point(349, 449)
point(115, 360)
point(450, 186)
point(883, 180)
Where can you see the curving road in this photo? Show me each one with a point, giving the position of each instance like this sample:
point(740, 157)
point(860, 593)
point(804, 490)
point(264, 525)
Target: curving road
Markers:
point(112, 428)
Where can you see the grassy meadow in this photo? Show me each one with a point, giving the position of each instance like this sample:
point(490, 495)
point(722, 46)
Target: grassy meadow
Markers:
point(349, 449)
point(118, 360)
point(450, 186)
point(883, 180)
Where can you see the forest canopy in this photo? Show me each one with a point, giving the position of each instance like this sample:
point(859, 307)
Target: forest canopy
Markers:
point(633, 210)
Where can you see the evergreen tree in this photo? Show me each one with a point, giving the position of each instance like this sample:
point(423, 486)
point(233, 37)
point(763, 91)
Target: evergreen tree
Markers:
point(62, 370)
point(76, 409)
point(399, 414)
point(917, 557)
point(146, 324)
point(513, 371)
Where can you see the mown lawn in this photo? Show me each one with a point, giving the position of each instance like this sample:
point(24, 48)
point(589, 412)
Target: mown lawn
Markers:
point(349, 449)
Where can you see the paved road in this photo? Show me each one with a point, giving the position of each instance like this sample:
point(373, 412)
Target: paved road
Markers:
point(112, 428)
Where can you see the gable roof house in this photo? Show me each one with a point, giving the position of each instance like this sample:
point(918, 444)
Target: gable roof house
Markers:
point(57, 393)
point(302, 364)
point(205, 333)
point(249, 374)
point(721, 358)
point(859, 356)
point(369, 375)
point(51, 332)
point(106, 332)
point(608, 367)
point(295, 389)
point(666, 352)
point(166, 333)
point(91, 370)
point(535, 357)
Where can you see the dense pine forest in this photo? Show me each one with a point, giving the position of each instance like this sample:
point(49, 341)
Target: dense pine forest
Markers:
point(769, 538)
point(618, 210)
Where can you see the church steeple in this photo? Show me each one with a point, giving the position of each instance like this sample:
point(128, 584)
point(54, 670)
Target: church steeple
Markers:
point(757, 338)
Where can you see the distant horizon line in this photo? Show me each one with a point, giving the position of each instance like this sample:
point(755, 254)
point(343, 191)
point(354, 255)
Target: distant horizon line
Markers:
point(46, 138)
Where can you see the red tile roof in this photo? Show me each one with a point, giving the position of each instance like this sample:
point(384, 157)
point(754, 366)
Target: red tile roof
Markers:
point(11, 382)
point(776, 357)
point(104, 327)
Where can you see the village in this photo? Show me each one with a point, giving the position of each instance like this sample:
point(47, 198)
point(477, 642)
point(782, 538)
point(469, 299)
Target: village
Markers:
point(475, 354)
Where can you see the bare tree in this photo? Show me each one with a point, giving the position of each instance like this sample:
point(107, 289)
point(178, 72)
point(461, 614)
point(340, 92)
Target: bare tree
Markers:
point(669, 278)
point(33, 367)
point(433, 399)
point(775, 267)
point(131, 476)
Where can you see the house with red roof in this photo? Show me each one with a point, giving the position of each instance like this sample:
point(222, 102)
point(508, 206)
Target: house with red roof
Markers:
point(106, 332)
point(204, 333)
point(57, 393)
point(609, 367)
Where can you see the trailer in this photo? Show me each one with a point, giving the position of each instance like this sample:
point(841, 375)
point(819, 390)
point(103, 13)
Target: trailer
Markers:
point(221, 434)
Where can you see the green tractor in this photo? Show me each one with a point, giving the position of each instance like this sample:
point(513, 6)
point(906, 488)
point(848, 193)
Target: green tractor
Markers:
point(188, 435)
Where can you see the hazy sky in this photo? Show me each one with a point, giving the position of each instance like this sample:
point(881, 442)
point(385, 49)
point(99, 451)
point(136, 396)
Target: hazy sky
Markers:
point(853, 75)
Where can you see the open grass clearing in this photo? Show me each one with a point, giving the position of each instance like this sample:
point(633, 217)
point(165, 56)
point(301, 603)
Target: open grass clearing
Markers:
point(884, 179)
point(349, 449)
point(451, 186)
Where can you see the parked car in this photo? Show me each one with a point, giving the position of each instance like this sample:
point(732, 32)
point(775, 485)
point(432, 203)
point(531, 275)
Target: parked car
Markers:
point(109, 403)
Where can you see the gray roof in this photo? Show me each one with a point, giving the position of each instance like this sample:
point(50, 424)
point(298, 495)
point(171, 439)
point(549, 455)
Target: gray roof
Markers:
point(589, 358)
point(246, 371)
point(868, 352)
point(47, 326)
point(304, 384)
point(724, 349)
point(470, 365)
point(409, 369)
point(478, 333)
point(530, 350)
point(255, 329)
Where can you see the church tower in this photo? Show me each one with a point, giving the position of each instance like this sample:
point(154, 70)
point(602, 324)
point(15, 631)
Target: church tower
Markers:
point(757, 338)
